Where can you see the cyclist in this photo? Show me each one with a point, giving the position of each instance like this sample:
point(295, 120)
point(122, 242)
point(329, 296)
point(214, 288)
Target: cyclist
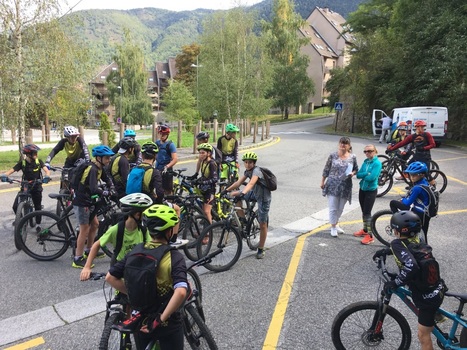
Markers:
point(166, 158)
point(399, 135)
point(31, 167)
point(406, 226)
point(422, 141)
point(135, 157)
point(228, 145)
point(74, 146)
point(417, 199)
point(84, 204)
point(132, 206)
point(254, 190)
point(209, 177)
point(172, 283)
point(203, 137)
point(120, 165)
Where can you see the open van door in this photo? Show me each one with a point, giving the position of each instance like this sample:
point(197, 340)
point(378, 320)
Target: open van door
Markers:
point(378, 114)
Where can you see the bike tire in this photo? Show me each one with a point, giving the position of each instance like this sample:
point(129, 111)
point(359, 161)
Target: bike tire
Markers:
point(253, 231)
point(381, 226)
point(385, 182)
point(194, 227)
point(112, 338)
point(351, 328)
point(195, 282)
point(463, 338)
point(104, 225)
point(440, 179)
point(20, 212)
point(196, 332)
point(51, 242)
point(58, 207)
point(434, 165)
point(220, 235)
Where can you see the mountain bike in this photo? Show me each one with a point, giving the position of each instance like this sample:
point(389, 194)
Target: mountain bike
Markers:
point(51, 239)
point(227, 234)
point(65, 188)
point(197, 334)
point(232, 172)
point(376, 324)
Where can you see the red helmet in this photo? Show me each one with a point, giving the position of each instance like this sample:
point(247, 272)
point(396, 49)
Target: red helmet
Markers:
point(163, 129)
point(30, 149)
point(420, 123)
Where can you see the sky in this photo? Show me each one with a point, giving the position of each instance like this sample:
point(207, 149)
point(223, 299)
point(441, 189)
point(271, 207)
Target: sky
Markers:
point(173, 5)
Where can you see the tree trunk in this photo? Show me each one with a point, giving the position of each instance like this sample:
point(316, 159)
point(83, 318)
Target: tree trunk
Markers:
point(286, 113)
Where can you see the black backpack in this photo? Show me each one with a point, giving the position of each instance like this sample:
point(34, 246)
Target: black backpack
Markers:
point(269, 179)
point(119, 241)
point(140, 278)
point(76, 173)
point(428, 277)
point(431, 209)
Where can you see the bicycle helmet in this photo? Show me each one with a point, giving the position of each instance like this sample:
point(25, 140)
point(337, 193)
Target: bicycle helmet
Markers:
point(402, 126)
point(420, 123)
point(129, 133)
point(416, 168)
point(70, 131)
point(149, 148)
point(135, 202)
point(231, 128)
point(406, 222)
point(250, 156)
point(202, 135)
point(125, 144)
point(163, 129)
point(205, 146)
point(159, 218)
point(30, 149)
point(102, 151)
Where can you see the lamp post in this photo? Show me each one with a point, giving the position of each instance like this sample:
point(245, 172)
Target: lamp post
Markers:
point(120, 105)
point(196, 66)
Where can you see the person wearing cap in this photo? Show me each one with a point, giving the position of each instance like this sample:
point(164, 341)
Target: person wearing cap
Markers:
point(134, 158)
point(120, 165)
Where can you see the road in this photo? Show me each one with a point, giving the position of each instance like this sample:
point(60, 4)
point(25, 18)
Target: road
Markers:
point(285, 301)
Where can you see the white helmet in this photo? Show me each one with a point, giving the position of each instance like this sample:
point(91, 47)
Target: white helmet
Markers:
point(70, 131)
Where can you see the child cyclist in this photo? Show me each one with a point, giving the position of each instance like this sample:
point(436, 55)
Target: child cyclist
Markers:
point(426, 296)
point(135, 157)
point(32, 168)
point(258, 192)
point(228, 145)
point(132, 206)
point(172, 283)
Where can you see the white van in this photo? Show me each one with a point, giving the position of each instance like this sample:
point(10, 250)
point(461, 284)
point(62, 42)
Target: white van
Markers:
point(436, 119)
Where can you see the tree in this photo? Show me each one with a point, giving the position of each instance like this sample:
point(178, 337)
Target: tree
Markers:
point(291, 84)
point(184, 63)
point(105, 126)
point(180, 102)
point(128, 85)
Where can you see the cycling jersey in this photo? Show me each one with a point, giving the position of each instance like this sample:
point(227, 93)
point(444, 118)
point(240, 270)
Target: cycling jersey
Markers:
point(422, 143)
point(164, 157)
point(88, 186)
point(31, 170)
point(229, 148)
point(417, 196)
point(134, 157)
point(74, 151)
point(119, 170)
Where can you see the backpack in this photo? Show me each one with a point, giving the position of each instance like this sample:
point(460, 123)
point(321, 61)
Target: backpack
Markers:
point(134, 183)
point(113, 169)
point(428, 276)
point(167, 146)
point(76, 173)
point(431, 209)
point(119, 241)
point(217, 156)
point(140, 277)
point(270, 180)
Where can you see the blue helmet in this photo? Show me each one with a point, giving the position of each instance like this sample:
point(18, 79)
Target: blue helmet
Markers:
point(102, 151)
point(416, 168)
point(129, 133)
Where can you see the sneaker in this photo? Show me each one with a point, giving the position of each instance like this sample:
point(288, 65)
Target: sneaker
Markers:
point(439, 317)
point(80, 262)
point(179, 243)
point(99, 255)
point(260, 254)
point(339, 230)
point(333, 232)
point(368, 239)
point(360, 233)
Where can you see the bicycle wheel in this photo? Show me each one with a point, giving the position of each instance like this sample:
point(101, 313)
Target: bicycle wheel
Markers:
point(385, 182)
point(352, 328)
point(47, 241)
point(195, 282)
point(220, 235)
point(196, 332)
point(113, 339)
point(463, 338)
point(104, 225)
point(253, 231)
point(194, 227)
point(21, 211)
point(434, 165)
point(437, 179)
point(66, 202)
point(381, 226)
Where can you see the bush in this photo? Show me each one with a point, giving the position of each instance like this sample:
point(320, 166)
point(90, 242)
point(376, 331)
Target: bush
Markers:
point(105, 126)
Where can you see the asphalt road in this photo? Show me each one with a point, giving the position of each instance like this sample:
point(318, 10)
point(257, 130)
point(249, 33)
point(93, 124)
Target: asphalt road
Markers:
point(285, 301)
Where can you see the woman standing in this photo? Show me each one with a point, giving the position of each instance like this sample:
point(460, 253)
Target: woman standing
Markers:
point(336, 183)
point(369, 174)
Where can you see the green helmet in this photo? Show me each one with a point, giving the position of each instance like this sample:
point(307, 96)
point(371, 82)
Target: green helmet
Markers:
point(205, 146)
point(149, 148)
point(159, 217)
point(231, 128)
point(250, 156)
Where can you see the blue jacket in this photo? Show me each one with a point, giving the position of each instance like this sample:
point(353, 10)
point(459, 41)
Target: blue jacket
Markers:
point(369, 174)
point(417, 195)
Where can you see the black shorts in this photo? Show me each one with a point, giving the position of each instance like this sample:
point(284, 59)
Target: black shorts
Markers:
point(167, 182)
point(427, 304)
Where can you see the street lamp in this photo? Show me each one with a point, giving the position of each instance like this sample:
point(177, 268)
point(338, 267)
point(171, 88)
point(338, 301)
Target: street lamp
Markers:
point(196, 66)
point(120, 105)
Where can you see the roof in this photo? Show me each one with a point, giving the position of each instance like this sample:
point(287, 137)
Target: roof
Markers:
point(318, 42)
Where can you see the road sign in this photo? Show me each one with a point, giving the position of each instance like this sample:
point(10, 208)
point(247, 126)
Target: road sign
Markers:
point(119, 120)
point(98, 123)
point(338, 106)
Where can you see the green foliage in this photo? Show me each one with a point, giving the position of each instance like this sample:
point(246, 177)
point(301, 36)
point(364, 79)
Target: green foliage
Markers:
point(105, 126)
point(184, 63)
point(180, 103)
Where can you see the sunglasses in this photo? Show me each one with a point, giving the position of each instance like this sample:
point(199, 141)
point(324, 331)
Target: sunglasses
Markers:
point(369, 151)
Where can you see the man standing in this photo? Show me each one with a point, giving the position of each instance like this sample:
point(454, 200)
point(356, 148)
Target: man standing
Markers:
point(386, 128)
point(166, 157)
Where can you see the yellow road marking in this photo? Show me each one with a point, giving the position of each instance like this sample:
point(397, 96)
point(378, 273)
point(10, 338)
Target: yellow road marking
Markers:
point(449, 159)
point(456, 180)
point(28, 345)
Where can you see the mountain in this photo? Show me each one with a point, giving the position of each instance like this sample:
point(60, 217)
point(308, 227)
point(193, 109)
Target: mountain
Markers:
point(162, 33)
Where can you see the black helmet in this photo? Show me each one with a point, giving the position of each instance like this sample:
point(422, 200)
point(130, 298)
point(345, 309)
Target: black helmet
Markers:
point(406, 222)
point(202, 135)
point(126, 143)
point(149, 148)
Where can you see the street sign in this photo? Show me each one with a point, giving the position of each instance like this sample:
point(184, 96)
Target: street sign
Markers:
point(338, 106)
point(119, 120)
point(98, 123)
